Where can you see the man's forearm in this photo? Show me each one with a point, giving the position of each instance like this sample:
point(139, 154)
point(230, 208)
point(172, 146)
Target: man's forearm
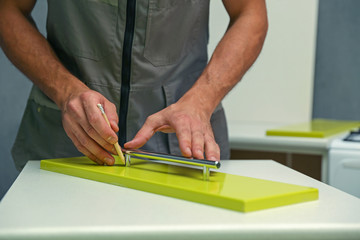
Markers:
point(31, 53)
point(233, 56)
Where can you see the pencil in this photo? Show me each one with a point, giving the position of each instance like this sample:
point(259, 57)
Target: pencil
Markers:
point(116, 145)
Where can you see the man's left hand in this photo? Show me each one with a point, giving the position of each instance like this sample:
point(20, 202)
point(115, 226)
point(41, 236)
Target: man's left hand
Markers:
point(191, 125)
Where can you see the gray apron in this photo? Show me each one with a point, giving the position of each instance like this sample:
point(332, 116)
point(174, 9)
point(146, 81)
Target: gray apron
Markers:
point(141, 55)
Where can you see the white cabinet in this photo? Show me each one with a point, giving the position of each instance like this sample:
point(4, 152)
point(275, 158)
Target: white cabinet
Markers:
point(344, 166)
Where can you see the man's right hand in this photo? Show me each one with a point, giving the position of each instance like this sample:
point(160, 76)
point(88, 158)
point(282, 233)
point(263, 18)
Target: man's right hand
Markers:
point(87, 128)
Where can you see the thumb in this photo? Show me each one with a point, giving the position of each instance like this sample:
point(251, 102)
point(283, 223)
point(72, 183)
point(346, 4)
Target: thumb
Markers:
point(144, 134)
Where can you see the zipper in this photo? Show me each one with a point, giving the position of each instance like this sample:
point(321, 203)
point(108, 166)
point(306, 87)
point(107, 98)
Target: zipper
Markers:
point(126, 68)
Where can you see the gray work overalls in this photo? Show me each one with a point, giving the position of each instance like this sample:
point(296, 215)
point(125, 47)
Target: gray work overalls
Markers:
point(141, 55)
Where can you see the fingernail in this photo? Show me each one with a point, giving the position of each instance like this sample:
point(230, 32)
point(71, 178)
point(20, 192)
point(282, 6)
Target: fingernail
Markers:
point(188, 151)
point(212, 158)
point(109, 161)
point(113, 150)
point(115, 124)
point(200, 153)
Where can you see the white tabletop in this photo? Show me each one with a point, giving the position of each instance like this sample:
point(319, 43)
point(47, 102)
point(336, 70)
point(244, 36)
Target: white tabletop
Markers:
point(252, 136)
point(48, 205)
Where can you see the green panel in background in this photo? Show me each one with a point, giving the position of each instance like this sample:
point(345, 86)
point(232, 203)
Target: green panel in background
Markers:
point(223, 190)
point(317, 128)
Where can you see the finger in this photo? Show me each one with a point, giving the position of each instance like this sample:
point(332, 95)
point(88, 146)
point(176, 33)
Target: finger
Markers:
point(98, 123)
point(146, 132)
point(95, 135)
point(197, 141)
point(81, 148)
point(114, 126)
point(91, 146)
point(183, 133)
point(212, 150)
point(111, 112)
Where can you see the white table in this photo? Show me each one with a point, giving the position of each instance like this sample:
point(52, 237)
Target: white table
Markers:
point(48, 205)
point(252, 136)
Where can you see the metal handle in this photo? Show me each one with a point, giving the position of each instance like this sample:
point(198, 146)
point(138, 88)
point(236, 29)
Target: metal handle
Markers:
point(166, 158)
point(352, 163)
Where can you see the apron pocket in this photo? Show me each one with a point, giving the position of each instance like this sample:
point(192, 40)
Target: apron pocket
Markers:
point(170, 30)
point(81, 28)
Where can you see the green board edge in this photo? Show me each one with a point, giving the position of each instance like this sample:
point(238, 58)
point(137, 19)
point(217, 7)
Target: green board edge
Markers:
point(184, 183)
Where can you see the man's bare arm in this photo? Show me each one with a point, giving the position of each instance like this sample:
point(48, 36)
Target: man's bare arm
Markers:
point(32, 54)
point(236, 52)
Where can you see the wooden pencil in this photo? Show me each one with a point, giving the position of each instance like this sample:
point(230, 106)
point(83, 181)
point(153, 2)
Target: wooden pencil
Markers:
point(116, 145)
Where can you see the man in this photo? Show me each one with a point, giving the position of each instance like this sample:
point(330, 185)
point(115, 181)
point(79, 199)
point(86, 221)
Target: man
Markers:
point(144, 61)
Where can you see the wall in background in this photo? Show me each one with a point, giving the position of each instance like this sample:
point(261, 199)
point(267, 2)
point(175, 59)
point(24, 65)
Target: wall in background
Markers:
point(14, 91)
point(337, 77)
point(279, 87)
